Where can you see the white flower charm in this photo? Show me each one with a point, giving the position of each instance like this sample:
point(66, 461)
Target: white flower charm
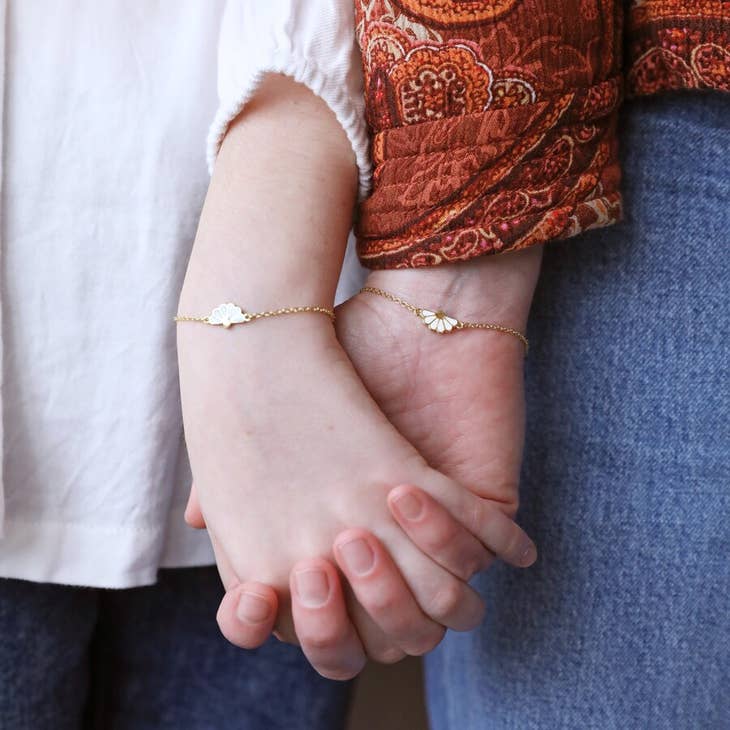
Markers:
point(228, 314)
point(438, 321)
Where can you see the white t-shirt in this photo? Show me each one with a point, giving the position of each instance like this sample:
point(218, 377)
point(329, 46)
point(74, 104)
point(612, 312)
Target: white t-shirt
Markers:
point(107, 109)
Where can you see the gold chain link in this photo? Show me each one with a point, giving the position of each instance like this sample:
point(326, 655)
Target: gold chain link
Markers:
point(392, 298)
point(294, 310)
point(438, 314)
point(183, 318)
point(251, 316)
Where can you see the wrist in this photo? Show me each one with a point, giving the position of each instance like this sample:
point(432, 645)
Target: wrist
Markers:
point(489, 288)
point(257, 348)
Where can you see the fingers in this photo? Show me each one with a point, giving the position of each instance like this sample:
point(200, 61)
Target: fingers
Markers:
point(378, 647)
point(246, 637)
point(437, 533)
point(486, 521)
point(247, 613)
point(325, 632)
point(193, 515)
point(378, 585)
point(499, 534)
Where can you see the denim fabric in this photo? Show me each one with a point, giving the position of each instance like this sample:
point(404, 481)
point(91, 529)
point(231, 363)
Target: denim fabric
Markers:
point(148, 659)
point(624, 622)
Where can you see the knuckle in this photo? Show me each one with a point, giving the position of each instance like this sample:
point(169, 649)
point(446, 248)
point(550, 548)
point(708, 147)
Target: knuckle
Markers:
point(387, 655)
point(400, 627)
point(326, 638)
point(426, 643)
point(445, 601)
point(440, 535)
point(381, 603)
point(468, 567)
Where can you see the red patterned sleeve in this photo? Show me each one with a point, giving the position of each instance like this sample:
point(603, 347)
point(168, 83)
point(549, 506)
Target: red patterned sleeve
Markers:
point(678, 44)
point(493, 125)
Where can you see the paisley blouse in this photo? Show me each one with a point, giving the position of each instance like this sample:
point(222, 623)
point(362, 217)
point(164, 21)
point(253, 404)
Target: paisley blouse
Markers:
point(493, 122)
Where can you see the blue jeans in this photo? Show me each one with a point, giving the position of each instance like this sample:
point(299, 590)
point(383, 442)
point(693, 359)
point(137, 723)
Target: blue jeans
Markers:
point(624, 622)
point(148, 659)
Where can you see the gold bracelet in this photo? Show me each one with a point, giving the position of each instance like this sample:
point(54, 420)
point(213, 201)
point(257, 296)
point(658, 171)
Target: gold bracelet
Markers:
point(441, 323)
point(228, 314)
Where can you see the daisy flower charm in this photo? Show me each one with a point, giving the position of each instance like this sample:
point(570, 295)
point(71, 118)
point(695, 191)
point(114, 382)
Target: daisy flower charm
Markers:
point(437, 321)
point(228, 314)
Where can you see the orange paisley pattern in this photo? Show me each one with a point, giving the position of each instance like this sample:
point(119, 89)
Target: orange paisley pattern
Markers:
point(450, 14)
point(678, 44)
point(490, 135)
point(494, 121)
point(437, 83)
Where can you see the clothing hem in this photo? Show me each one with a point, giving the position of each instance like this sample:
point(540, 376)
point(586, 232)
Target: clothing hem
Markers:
point(304, 72)
point(88, 556)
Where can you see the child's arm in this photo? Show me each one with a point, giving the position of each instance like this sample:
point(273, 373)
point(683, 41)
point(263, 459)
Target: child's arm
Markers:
point(286, 445)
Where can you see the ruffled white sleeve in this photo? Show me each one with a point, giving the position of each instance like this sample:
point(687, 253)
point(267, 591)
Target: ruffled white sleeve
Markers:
point(313, 41)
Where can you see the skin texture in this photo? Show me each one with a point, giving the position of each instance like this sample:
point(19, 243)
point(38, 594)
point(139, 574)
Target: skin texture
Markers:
point(466, 421)
point(293, 459)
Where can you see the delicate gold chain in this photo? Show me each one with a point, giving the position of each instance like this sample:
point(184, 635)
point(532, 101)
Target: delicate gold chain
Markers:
point(295, 310)
point(438, 321)
point(229, 314)
point(392, 298)
point(183, 318)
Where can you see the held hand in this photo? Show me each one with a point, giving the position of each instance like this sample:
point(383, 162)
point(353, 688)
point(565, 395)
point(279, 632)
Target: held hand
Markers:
point(323, 627)
point(282, 471)
point(287, 447)
point(459, 401)
point(459, 397)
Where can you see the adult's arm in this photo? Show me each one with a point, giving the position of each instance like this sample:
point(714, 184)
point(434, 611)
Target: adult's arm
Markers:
point(493, 125)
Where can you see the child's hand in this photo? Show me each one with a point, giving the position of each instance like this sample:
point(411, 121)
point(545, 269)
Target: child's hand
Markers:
point(288, 451)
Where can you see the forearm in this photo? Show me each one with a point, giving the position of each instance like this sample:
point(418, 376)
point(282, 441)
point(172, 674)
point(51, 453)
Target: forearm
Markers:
point(275, 221)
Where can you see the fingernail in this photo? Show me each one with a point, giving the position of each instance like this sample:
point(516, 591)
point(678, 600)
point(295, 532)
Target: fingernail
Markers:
point(529, 554)
point(409, 506)
point(313, 587)
point(252, 608)
point(358, 555)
